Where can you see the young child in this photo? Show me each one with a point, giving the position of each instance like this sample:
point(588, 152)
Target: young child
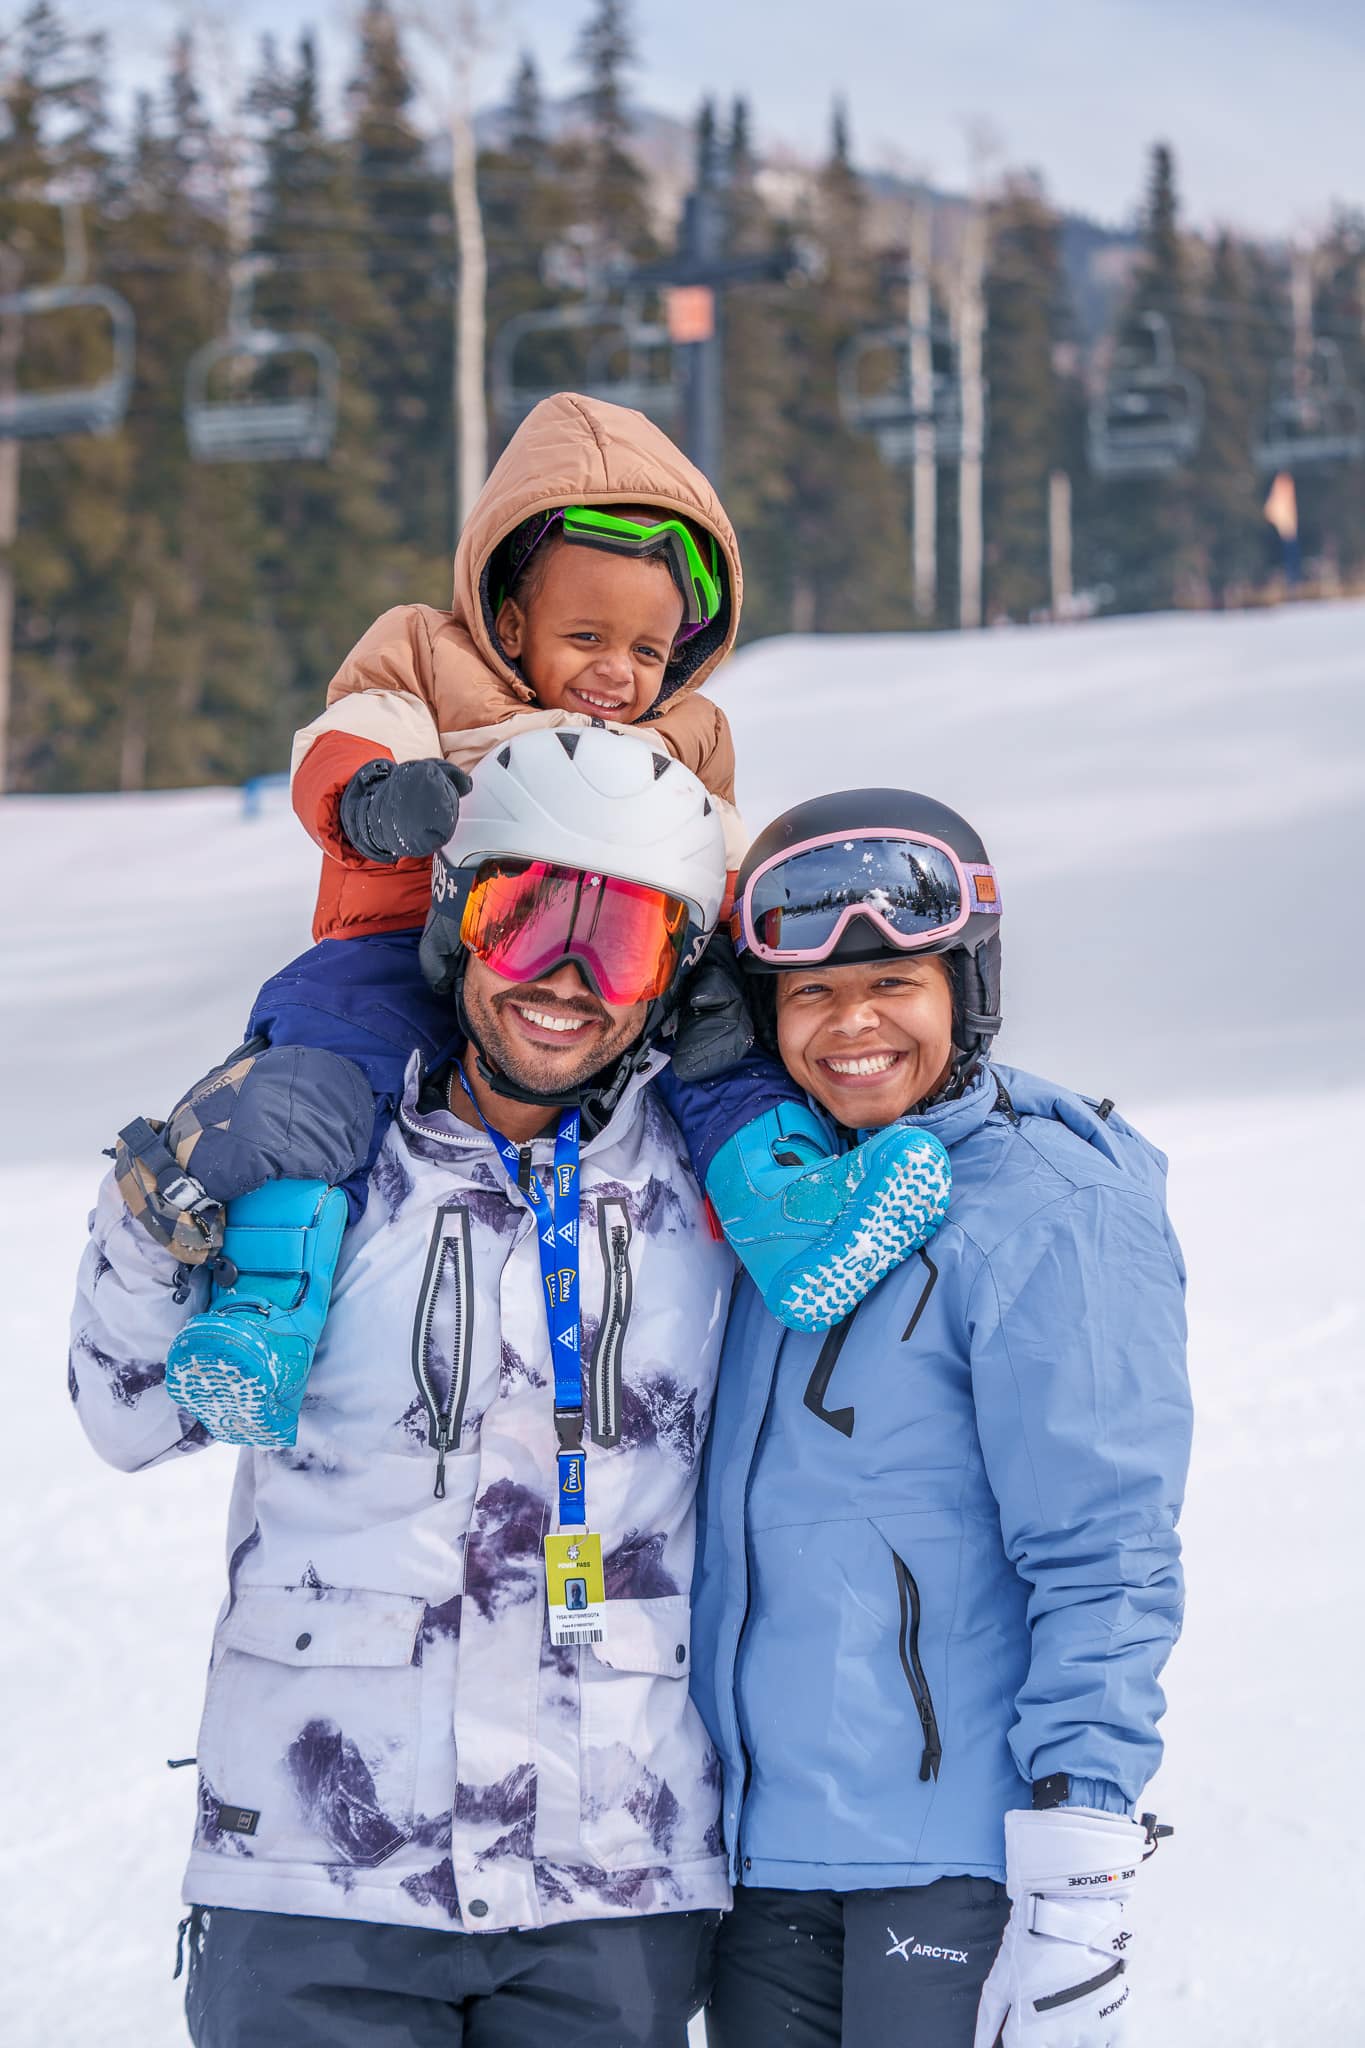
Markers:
point(597, 580)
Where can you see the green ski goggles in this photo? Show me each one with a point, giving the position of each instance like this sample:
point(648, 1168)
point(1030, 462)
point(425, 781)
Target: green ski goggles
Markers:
point(699, 584)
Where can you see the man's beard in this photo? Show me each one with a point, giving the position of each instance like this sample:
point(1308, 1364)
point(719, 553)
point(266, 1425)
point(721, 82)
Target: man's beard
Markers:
point(539, 1069)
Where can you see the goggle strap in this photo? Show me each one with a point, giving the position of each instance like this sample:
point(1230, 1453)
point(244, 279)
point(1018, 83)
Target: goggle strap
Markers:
point(666, 536)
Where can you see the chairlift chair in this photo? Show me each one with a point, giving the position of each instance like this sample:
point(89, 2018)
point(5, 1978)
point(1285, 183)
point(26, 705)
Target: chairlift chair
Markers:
point(1313, 415)
point(260, 429)
point(96, 408)
point(609, 333)
point(1149, 418)
point(888, 410)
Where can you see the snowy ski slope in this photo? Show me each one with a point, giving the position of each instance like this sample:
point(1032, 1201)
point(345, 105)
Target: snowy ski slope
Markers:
point(1176, 807)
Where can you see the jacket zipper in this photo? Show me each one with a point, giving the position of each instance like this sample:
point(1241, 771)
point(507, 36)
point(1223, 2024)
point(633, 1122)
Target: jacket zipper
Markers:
point(449, 1250)
point(932, 1753)
point(608, 1357)
point(769, 1398)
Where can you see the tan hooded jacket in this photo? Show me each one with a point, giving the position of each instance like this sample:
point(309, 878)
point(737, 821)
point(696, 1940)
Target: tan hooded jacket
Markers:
point(424, 683)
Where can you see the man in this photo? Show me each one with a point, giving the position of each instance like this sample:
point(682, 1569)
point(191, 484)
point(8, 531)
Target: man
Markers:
point(423, 1813)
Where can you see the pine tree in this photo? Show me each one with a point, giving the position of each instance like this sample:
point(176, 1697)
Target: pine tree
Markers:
point(847, 562)
point(739, 146)
point(1226, 353)
point(330, 558)
point(1025, 330)
point(612, 187)
point(1332, 494)
point(839, 143)
point(1145, 543)
point(760, 437)
point(527, 206)
point(707, 143)
point(407, 358)
point(526, 114)
point(195, 656)
point(73, 489)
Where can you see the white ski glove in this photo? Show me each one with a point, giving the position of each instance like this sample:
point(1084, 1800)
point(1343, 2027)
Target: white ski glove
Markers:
point(1061, 1977)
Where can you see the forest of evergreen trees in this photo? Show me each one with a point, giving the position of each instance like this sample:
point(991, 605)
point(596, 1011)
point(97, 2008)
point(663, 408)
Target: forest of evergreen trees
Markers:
point(175, 619)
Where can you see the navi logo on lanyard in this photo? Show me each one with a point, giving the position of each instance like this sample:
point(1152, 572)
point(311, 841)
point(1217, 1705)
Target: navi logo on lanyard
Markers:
point(574, 1585)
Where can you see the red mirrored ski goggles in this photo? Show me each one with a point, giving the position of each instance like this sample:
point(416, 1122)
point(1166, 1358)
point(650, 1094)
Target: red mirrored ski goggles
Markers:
point(525, 918)
point(916, 891)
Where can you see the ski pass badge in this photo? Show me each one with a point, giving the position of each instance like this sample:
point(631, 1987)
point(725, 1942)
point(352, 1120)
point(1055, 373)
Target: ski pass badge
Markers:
point(574, 1587)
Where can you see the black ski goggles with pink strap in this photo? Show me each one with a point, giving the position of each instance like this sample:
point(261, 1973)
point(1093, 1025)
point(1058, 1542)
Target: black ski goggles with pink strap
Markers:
point(912, 888)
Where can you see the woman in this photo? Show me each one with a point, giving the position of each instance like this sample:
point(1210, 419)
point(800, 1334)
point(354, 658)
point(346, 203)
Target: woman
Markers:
point(939, 1571)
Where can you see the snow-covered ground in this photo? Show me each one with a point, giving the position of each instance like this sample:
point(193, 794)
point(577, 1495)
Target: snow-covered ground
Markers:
point(1176, 806)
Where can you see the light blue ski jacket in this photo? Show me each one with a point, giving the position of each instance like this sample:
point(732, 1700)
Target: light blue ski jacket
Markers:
point(938, 1549)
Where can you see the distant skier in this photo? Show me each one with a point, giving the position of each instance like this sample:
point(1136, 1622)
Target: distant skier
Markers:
point(939, 1574)
point(596, 581)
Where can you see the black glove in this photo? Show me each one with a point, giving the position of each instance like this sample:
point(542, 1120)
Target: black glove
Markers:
point(715, 1027)
point(401, 810)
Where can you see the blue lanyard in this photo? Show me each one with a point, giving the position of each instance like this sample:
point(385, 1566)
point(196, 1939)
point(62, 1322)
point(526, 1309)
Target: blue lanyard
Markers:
point(557, 1240)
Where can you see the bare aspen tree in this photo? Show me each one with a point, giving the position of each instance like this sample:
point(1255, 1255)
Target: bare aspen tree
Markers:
point(459, 38)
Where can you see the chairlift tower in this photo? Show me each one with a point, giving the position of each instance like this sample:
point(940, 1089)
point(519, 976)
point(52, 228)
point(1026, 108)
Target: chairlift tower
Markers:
point(626, 370)
point(695, 281)
point(1149, 418)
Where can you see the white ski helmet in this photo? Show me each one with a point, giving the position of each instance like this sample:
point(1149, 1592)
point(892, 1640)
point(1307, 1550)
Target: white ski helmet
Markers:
point(582, 797)
point(590, 799)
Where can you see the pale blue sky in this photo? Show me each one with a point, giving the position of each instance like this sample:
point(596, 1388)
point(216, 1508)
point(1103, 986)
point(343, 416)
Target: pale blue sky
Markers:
point(1262, 101)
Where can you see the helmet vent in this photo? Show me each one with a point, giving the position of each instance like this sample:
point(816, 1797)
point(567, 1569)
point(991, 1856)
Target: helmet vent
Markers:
point(706, 808)
point(504, 757)
point(662, 764)
point(569, 742)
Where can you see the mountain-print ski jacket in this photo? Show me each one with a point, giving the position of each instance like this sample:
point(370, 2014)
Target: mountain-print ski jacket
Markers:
point(388, 1734)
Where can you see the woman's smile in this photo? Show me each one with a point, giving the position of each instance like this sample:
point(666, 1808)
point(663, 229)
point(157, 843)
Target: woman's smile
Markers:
point(869, 1041)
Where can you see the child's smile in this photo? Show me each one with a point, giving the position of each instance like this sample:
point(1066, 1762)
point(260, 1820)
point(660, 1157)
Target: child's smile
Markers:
point(595, 633)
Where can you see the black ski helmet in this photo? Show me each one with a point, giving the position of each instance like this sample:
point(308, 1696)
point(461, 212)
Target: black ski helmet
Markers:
point(972, 955)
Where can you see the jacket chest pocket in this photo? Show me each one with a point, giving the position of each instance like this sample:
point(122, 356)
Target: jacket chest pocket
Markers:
point(308, 1743)
point(443, 1334)
point(607, 1365)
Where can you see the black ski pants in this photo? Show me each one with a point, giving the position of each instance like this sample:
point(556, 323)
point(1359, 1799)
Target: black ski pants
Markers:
point(284, 1980)
point(877, 1969)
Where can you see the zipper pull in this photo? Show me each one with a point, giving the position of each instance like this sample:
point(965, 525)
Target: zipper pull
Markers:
point(180, 1933)
point(442, 1446)
point(524, 1170)
point(932, 1755)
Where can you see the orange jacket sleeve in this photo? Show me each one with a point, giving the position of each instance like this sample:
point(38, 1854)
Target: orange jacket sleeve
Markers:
point(354, 894)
